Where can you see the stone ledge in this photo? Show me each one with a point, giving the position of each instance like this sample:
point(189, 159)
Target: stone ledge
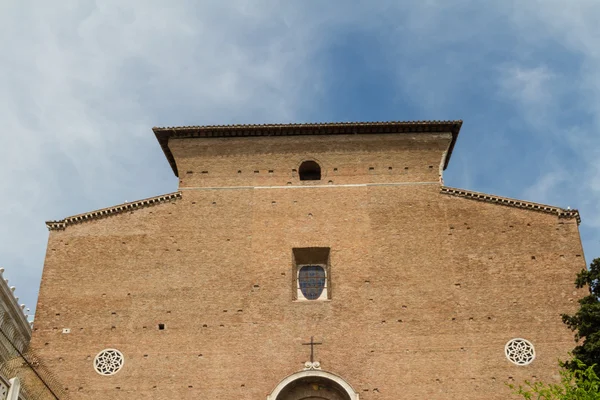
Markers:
point(560, 212)
point(106, 212)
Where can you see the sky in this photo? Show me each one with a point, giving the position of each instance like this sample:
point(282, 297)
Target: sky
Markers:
point(83, 82)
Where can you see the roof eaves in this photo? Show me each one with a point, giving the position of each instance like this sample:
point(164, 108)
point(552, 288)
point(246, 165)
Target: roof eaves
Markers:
point(163, 134)
point(106, 212)
point(560, 212)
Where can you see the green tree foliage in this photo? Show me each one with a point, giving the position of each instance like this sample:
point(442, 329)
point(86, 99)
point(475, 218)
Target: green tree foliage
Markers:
point(586, 321)
point(580, 383)
point(579, 377)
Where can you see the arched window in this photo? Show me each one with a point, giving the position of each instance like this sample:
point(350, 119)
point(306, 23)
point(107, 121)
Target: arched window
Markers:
point(309, 171)
point(312, 282)
point(312, 273)
point(313, 384)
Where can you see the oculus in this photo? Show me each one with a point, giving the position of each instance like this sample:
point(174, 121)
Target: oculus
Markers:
point(108, 362)
point(519, 351)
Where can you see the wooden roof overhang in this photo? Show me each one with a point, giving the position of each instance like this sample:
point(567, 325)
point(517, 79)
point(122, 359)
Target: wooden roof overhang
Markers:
point(339, 128)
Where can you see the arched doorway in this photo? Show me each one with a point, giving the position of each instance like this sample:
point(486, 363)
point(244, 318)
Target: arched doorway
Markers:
point(313, 385)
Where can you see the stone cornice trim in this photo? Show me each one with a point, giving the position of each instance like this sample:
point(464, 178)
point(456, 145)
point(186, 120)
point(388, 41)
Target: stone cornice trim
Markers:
point(560, 212)
point(17, 316)
point(106, 212)
point(341, 128)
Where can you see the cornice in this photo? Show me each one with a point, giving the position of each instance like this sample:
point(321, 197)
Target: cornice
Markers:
point(106, 212)
point(13, 307)
point(339, 128)
point(560, 212)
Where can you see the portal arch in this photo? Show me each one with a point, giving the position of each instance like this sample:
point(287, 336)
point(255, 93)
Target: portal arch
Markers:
point(313, 385)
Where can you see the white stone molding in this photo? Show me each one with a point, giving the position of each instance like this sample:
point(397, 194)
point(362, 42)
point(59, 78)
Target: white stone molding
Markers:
point(109, 362)
point(519, 351)
point(313, 373)
point(15, 389)
point(11, 312)
point(312, 365)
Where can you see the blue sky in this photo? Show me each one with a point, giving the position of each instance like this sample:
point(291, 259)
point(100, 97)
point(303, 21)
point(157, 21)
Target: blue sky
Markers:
point(83, 83)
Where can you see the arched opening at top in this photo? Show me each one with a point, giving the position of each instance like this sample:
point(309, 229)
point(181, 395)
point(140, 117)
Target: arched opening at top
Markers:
point(313, 385)
point(309, 171)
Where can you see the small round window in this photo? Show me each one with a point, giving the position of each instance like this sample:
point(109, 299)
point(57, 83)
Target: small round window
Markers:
point(309, 171)
point(519, 351)
point(311, 281)
point(108, 362)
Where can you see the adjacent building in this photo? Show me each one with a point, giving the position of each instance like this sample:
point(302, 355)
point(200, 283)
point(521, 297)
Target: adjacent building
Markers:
point(15, 334)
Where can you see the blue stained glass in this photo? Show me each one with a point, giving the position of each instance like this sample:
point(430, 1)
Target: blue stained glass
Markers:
point(311, 279)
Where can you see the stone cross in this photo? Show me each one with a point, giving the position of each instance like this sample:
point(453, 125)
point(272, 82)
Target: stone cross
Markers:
point(312, 347)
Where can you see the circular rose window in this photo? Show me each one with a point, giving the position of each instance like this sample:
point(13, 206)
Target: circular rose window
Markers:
point(108, 362)
point(519, 351)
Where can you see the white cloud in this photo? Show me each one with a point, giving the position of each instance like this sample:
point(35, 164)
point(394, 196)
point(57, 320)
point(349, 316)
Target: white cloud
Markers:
point(569, 103)
point(530, 86)
point(547, 187)
point(84, 81)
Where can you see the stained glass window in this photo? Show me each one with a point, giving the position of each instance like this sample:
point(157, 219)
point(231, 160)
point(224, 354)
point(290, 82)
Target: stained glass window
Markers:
point(311, 281)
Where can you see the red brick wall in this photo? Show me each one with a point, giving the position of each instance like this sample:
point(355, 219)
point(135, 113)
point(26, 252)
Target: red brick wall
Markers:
point(427, 288)
point(344, 159)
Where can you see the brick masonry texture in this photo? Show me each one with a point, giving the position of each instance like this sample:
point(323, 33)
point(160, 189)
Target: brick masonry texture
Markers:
point(426, 287)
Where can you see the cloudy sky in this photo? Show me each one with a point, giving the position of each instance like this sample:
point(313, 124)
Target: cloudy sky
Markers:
point(83, 82)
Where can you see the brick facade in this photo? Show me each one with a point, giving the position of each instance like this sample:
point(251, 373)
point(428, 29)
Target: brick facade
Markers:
point(427, 286)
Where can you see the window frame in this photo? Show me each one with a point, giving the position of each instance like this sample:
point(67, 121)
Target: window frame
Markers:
point(311, 256)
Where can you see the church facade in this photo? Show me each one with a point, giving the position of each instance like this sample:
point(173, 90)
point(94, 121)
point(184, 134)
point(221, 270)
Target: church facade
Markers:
point(308, 261)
